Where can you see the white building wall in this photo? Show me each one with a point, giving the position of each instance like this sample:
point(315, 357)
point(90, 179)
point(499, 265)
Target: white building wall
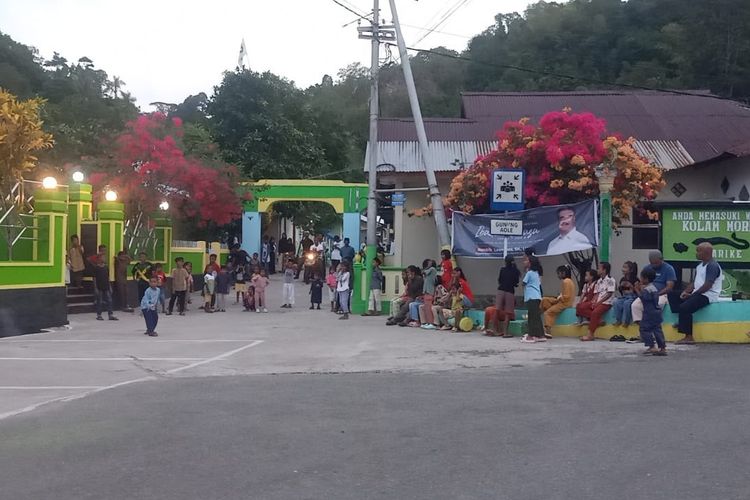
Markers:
point(703, 182)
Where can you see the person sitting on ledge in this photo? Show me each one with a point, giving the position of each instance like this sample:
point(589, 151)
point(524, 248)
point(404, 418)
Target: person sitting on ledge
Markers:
point(553, 306)
point(704, 290)
point(604, 295)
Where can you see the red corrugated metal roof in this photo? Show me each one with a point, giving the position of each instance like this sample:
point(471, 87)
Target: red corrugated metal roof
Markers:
point(705, 126)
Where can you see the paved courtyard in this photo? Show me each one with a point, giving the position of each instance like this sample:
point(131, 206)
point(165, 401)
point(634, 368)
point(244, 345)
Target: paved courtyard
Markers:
point(297, 404)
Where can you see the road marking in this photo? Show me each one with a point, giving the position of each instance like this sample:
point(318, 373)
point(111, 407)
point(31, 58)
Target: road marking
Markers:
point(111, 341)
point(215, 358)
point(47, 388)
point(65, 399)
point(134, 358)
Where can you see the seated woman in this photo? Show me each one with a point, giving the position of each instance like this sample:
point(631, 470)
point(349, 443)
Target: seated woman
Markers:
point(587, 294)
point(626, 288)
point(553, 306)
point(440, 303)
point(460, 279)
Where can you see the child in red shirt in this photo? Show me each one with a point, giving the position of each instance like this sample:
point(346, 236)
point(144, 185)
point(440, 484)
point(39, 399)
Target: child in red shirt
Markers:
point(447, 266)
point(162, 280)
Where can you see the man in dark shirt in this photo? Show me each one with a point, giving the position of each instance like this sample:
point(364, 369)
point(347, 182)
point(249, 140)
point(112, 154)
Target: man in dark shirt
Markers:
point(238, 257)
point(414, 285)
point(102, 289)
point(142, 274)
point(347, 252)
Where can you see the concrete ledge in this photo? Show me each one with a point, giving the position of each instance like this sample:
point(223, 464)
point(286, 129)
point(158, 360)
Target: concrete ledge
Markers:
point(720, 322)
point(28, 310)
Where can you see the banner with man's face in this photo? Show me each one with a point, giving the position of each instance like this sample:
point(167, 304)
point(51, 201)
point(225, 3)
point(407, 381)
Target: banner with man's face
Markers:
point(553, 230)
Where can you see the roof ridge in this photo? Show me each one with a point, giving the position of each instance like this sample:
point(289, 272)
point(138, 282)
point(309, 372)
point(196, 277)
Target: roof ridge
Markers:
point(557, 93)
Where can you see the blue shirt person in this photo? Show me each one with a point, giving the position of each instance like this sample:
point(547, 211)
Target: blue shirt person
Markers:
point(148, 307)
point(664, 281)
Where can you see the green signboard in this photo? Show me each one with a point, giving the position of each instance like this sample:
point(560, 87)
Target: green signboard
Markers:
point(727, 229)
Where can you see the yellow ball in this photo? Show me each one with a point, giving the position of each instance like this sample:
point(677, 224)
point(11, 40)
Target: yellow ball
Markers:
point(466, 324)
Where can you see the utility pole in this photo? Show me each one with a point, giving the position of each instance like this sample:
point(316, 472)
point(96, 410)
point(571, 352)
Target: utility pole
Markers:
point(375, 32)
point(437, 201)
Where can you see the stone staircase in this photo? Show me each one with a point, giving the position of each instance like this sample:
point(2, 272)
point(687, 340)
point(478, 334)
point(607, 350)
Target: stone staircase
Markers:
point(81, 300)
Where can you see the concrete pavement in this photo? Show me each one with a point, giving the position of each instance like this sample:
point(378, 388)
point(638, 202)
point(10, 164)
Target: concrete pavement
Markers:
point(298, 404)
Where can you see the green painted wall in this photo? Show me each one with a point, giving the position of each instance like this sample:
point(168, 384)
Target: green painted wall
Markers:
point(354, 196)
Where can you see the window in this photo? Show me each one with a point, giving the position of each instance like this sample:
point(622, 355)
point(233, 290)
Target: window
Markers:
point(644, 238)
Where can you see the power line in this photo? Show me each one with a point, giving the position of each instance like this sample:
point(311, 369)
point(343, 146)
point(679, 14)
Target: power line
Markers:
point(564, 76)
point(446, 16)
point(437, 31)
point(340, 4)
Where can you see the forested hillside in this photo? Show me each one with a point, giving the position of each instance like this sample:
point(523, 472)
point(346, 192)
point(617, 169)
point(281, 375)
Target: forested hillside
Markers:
point(268, 127)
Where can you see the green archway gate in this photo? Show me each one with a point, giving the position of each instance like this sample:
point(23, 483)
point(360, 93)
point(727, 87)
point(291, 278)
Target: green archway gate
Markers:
point(348, 199)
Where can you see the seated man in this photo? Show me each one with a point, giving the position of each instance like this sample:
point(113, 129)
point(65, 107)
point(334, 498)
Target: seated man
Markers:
point(413, 290)
point(704, 290)
point(664, 283)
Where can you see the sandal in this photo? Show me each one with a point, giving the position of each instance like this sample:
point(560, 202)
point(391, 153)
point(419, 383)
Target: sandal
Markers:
point(587, 339)
point(508, 336)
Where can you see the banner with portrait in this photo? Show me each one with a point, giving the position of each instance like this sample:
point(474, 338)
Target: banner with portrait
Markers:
point(552, 230)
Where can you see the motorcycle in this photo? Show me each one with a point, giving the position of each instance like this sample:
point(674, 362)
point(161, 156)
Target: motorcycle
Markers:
point(311, 264)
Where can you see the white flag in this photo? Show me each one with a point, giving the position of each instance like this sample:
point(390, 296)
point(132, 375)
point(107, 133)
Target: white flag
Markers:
point(243, 54)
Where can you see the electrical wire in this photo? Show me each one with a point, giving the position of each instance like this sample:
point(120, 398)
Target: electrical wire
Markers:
point(458, 5)
point(359, 15)
point(564, 76)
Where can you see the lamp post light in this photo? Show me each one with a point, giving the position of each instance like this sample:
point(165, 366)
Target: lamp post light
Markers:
point(606, 177)
point(110, 195)
point(78, 176)
point(164, 205)
point(49, 183)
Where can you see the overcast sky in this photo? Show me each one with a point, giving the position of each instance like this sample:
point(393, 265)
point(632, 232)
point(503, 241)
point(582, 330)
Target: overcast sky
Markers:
point(166, 50)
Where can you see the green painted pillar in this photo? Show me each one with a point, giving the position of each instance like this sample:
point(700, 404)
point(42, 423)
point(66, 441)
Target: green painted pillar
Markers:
point(79, 206)
point(163, 231)
point(111, 216)
point(359, 304)
point(605, 223)
point(370, 253)
point(50, 210)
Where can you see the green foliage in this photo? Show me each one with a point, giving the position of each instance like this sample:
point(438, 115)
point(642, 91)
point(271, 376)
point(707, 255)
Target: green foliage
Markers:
point(264, 125)
point(660, 43)
point(84, 107)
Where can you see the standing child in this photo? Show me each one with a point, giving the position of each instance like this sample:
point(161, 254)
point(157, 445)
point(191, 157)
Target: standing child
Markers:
point(429, 272)
point(288, 291)
point(209, 288)
point(162, 281)
point(376, 287)
point(331, 282)
point(260, 282)
point(223, 283)
point(342, 289)
point(446, 264)
point(532, 295)
point(190, 284)
point(316, 291)
point(149, 302)
point(650, 326)
point(102, 288)
point(240, 287)
point(179, 286)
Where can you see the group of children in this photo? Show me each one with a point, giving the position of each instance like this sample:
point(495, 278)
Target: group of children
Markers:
point(430, 300)
point(598, 295)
